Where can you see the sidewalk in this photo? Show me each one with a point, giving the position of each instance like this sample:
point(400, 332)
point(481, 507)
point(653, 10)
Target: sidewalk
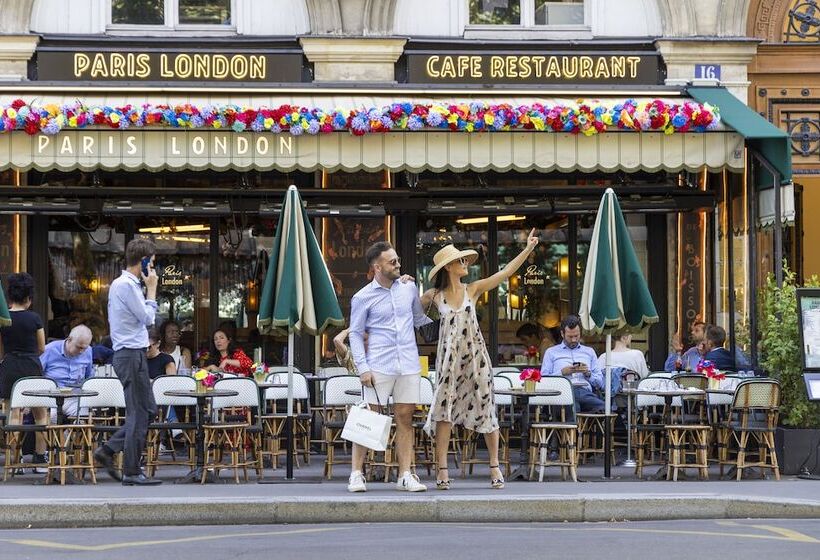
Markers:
point(25, 502)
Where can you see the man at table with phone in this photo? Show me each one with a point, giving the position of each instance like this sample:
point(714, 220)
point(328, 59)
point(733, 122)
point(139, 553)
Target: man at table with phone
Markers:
point(130, 313)
point(577, 362)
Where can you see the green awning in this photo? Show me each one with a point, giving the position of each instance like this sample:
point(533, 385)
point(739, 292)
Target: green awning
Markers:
point(771, 142)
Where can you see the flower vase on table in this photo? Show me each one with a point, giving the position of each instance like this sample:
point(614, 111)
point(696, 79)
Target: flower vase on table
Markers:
point(714, 375)
point(530, 377)
point(532, 356)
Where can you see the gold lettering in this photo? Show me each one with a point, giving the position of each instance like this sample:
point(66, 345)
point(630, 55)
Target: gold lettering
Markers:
point(463, 65)
point(239, 67)
point(220, 67)
point(118, 65)
point(202, 66)
point(601, 68)
point(81, 64)
point(496, 67)
point(183, 65)
point(525, 68)
point(143, 69)
point(164, 71)
point(448, 69)
point(539, 64)
point(511, 67)
point(586, 67)
point(618, 66)
point(99, 69)
point(569, 65)
point(475, 67)
point(632, 62)
point(258, 70)
point(553, 69)
point(431, 67)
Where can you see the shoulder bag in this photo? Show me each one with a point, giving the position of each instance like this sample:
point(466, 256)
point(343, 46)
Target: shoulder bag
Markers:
point(430, 331)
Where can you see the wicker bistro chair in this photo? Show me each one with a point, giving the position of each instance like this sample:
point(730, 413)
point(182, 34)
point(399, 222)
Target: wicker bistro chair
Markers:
point(161, 426)
point(752, 420)
point(647, 423)
point(334, 414)
point(14, 433)
point(273, 420)
point(235, 427)
point(561, 425)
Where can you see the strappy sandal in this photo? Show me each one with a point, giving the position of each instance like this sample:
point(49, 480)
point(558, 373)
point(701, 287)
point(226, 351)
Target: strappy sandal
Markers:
point(443, 484)
point(497, 483)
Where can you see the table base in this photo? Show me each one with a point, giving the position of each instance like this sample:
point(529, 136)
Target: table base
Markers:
point(520, 473)
point(631, 463)
point(195, 477)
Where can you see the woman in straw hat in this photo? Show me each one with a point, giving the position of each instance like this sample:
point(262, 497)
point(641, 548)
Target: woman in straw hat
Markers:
point(464, 392)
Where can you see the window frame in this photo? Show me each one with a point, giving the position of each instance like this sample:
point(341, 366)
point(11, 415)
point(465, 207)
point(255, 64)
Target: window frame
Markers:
point(527, 25)
point(171, 24)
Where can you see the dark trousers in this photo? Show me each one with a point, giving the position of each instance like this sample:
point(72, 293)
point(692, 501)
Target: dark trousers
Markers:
point(132, 369)
point(587, 401)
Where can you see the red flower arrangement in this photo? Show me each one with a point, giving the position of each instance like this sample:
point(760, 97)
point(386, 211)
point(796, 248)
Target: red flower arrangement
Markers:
point(707, 368)
point(532, 352)
point(530, 374)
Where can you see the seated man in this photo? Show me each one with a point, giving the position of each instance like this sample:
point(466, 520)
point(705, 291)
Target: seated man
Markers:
point(715, 352)
point(578, 362)
point(69, 362)
point(689, 359)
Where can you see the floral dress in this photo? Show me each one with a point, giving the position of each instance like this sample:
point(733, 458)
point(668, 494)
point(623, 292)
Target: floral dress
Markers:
point(464, 389)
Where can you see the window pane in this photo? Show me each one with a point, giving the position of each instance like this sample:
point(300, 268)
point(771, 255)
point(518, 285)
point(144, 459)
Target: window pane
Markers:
point(205, 12)
point(561, 12)
point(138, 12)
point(495, 12)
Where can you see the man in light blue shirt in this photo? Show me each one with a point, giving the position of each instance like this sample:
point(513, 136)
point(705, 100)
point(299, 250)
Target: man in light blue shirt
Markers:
point(130, 313)
point(69, 362)
point(577, 362)
point(689, 359)
point(388, 310)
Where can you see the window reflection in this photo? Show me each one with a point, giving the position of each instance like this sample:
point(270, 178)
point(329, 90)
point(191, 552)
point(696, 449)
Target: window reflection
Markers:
point(495, 12)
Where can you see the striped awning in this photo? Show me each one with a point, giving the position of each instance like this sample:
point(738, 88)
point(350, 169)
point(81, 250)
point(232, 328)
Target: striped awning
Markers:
point(158, 148)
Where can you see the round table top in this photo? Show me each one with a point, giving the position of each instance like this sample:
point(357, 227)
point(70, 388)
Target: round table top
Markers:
point(534, 393)
point(201, 394)
point(721, 391)
point(56, 393)
point(267, 385)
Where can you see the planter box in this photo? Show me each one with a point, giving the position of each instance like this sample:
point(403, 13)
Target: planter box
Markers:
point(794, 446)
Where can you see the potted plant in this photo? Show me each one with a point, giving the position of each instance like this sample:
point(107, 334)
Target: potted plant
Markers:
point(797, 437)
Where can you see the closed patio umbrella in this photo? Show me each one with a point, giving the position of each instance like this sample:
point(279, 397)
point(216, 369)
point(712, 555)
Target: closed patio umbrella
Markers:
point(298, 295)
point(615, 296)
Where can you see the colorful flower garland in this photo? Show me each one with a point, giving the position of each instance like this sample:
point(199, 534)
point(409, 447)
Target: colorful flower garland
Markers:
point(586, 118)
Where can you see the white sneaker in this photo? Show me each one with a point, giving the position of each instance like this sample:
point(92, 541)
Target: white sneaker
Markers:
point(356, 482)
point(410, 483)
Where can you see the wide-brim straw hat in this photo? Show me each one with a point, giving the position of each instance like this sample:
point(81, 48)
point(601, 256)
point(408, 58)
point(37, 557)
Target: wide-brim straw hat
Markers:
point(448, 254)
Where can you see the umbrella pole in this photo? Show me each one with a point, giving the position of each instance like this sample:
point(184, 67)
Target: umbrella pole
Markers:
point(608, 409)
point(289, 419)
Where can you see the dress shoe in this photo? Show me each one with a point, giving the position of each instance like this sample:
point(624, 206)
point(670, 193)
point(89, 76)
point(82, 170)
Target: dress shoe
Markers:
point(139, 480)
point(106, 460)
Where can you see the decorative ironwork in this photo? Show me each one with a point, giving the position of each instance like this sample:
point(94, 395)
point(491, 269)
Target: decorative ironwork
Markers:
point(804, 130)
point(804, 22)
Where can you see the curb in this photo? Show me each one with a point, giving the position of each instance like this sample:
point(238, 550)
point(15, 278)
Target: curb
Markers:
point(16, 514)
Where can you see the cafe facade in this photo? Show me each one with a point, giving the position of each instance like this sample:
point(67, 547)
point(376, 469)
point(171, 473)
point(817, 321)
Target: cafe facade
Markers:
point(188, 130)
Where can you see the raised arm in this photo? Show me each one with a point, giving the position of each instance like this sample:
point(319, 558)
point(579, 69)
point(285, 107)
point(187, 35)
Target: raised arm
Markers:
point(486, 284)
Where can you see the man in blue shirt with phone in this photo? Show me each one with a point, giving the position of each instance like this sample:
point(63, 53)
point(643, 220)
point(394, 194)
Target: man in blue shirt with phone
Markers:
point(130, 313)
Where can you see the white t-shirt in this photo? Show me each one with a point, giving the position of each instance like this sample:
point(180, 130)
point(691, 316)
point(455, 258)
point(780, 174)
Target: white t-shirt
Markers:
point(630, 359)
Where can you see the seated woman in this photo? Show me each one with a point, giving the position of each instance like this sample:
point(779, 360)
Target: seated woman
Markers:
point(158, 362)
point(169, 333)
point(226, 356)
point(622, 356)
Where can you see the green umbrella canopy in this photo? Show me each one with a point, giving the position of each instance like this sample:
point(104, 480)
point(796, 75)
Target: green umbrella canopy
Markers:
point(615, 295)
point(5, 317)
point(298, 295)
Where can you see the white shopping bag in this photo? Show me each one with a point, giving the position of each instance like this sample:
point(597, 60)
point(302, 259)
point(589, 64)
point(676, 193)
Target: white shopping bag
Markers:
point(367, 428)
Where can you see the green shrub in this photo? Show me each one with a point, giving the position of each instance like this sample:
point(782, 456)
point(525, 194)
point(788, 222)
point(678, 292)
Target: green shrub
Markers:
point(780, 349)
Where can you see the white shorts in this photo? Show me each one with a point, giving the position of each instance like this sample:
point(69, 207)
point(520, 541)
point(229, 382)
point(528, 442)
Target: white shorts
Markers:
point(405, 389)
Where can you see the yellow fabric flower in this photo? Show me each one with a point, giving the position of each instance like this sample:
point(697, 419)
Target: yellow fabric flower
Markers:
point(11, 113)
point(268, 122)
point(200, 375)
point(72, 122)
point(217, 123)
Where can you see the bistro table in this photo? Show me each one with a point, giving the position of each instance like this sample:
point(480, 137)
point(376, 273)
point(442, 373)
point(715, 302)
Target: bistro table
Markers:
point(195, 475)
point(668, 396)
point(524, 454)
point(59, 396)
point(263, 386)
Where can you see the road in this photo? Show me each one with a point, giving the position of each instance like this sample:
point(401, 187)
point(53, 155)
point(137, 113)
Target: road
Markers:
point(669, 540)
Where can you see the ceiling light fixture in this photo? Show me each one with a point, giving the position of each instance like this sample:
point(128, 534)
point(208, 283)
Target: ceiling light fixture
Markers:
point(509, 218)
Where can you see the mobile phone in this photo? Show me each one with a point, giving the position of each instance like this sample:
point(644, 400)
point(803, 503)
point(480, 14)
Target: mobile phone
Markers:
point(576, 364)
point(145, 262)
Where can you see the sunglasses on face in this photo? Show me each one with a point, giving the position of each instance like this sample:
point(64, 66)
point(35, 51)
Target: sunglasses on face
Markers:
point(394, 262)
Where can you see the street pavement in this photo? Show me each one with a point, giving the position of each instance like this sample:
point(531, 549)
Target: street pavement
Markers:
point(649, 540)
point(26, 502)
